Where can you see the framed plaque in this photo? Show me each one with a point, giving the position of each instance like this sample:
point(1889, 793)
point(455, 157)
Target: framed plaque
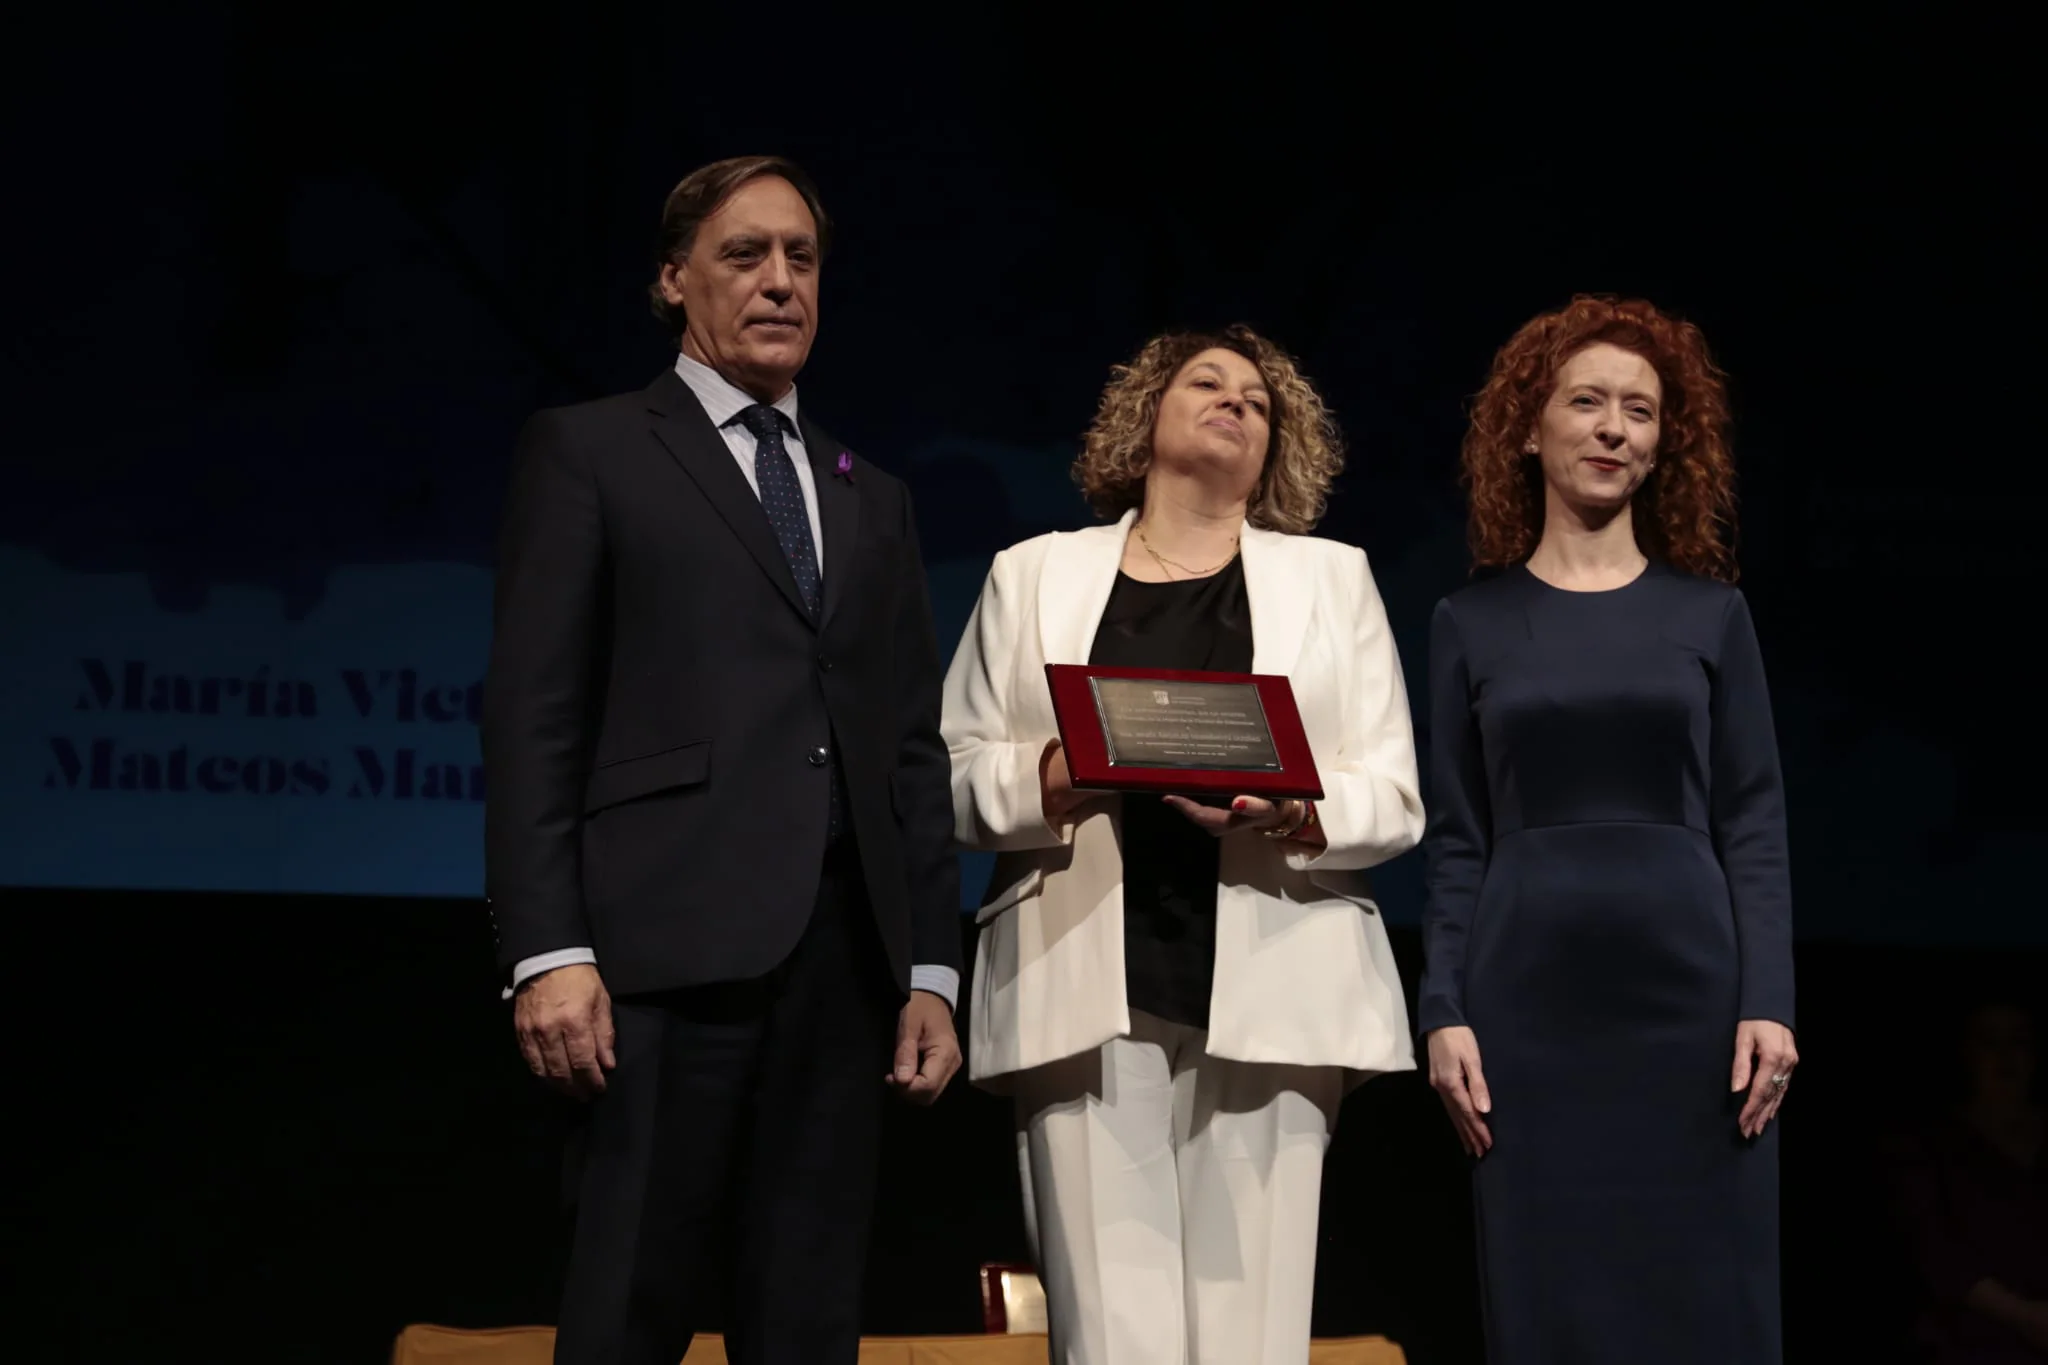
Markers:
point(1202, 735)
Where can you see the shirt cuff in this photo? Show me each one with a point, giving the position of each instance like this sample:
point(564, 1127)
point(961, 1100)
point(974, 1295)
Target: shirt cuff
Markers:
point(529, 967)
point(943, 982)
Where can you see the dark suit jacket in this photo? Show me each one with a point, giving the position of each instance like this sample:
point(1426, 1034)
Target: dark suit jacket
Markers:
point(660, 708)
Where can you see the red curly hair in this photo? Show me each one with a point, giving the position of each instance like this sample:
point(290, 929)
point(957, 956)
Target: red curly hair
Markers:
point(1685, 509)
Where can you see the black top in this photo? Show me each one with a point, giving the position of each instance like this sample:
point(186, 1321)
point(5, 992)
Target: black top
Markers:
point(1169, 864)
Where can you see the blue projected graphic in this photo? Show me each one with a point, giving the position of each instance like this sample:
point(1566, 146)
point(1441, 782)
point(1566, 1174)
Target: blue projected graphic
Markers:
point(322, 736)
point(230, 748)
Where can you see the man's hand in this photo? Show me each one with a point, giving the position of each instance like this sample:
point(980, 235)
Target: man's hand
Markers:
point(927, 1052)
point(564, 1022)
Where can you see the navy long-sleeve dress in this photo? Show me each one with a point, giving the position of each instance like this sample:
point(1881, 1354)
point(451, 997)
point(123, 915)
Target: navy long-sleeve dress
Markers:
point(1608, 897)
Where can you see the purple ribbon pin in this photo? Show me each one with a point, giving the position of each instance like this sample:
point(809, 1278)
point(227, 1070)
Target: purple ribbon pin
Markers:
point(845, 465)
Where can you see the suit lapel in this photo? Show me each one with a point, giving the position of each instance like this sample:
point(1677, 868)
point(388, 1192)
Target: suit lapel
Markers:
point(839, 500)
point(1280, 594)
point(687, 434)
point(1074, 587)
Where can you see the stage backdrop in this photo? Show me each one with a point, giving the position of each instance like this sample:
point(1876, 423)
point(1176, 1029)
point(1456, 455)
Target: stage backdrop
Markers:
point(321, 736)
point(248, 735)
point(280, 308)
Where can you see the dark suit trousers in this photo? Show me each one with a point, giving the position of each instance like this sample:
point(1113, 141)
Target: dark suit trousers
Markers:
point(730, 1164)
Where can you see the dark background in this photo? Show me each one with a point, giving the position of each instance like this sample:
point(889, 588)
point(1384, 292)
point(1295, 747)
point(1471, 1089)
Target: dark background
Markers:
point(283, 284)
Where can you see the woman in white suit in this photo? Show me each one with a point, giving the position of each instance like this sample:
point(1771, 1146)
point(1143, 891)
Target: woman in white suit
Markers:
point(1177, 994)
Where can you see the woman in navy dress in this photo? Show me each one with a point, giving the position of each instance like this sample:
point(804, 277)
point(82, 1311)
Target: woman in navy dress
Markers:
point(1607, 997)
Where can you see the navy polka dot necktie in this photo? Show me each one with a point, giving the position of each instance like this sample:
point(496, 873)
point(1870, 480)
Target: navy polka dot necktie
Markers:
point(783, 499)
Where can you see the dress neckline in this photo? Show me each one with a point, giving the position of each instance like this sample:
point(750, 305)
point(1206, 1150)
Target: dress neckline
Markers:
point(1649, 568)
point(1225, 568)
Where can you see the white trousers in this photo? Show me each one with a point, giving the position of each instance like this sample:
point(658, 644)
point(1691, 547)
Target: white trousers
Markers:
point(1171, 1200)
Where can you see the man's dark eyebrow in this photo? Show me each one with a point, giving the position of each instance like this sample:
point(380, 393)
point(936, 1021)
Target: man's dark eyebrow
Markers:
point(762, 239)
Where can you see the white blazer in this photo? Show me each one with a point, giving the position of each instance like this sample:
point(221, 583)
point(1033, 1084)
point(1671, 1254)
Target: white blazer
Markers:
point(1304, 974)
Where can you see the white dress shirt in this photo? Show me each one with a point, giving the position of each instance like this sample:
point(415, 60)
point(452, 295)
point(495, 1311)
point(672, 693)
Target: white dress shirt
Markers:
point(723, 401)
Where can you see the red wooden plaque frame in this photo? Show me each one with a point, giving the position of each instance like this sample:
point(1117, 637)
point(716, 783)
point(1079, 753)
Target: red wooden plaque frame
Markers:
point(1087, 749)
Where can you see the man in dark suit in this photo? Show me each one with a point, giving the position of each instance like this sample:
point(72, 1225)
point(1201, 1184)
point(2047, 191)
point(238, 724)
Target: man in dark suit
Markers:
point(718, 812)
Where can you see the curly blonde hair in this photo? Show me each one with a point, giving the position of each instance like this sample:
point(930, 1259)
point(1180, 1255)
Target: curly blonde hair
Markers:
point(1685, 508)
point(1303, 455)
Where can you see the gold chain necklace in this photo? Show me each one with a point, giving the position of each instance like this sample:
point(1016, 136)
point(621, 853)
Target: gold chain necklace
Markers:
point(1166, 563)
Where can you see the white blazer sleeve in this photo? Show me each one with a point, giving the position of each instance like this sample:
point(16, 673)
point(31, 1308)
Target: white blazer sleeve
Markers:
point(1372, 799)
point(997, 806)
